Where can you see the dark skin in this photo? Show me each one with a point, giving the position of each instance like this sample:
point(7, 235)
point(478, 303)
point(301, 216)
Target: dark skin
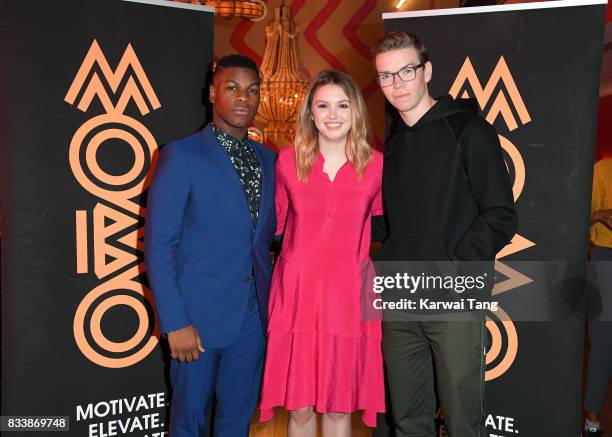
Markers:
point(235, 98)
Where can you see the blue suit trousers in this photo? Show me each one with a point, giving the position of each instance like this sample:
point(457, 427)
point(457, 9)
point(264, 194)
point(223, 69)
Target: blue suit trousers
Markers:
point(232, 375)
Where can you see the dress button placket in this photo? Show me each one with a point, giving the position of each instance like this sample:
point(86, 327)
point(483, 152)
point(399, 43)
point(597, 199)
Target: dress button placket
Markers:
point(333, 201)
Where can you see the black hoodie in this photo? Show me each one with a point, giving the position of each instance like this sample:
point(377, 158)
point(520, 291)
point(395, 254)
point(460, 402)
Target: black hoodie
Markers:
point(446, 190)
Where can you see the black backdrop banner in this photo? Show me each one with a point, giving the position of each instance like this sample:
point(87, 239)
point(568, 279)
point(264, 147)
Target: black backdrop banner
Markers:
point(534, 69)
point(89, 90)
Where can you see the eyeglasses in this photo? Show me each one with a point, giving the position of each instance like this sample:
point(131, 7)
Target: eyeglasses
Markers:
point(406, 74)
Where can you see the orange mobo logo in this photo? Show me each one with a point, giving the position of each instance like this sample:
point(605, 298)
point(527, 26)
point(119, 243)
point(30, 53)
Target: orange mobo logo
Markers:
point(116, 222)
point(504, 338)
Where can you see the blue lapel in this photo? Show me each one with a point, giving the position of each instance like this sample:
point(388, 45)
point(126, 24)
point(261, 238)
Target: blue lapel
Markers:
point(232, 180)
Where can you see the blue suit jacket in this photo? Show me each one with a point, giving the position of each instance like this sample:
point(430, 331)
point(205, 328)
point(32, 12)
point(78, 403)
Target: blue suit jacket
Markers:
point(201, 252)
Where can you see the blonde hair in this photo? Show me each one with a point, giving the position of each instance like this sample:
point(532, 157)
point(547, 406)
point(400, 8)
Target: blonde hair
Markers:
point(358, 148)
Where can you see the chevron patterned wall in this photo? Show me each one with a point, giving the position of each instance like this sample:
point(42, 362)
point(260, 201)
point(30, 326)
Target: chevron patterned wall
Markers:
point(334, 34)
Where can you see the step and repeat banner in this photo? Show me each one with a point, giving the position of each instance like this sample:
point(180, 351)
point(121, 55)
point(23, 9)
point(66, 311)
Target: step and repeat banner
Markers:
point(534, 70)
point(89, 91)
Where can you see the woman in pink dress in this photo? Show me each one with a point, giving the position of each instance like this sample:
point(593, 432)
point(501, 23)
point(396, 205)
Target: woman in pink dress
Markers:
point(322, 355)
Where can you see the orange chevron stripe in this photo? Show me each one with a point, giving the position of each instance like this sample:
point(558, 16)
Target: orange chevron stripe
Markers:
point(296, 6)
point(311, 34)
point(237, 40)
point(354, 22)
point(350, 32)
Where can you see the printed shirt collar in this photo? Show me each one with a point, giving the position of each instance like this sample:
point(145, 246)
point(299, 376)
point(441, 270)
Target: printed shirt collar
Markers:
point(221, 134)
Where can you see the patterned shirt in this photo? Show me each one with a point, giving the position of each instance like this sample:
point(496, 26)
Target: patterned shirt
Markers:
point(244, 158)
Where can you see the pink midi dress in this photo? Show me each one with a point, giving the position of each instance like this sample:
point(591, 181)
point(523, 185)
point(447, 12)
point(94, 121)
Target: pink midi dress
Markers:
point(321, 352)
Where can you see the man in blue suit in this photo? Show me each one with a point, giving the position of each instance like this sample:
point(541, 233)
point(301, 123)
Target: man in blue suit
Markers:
point(210, 224)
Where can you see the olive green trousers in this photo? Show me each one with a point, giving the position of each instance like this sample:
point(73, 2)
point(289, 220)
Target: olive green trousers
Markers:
point(425, 357)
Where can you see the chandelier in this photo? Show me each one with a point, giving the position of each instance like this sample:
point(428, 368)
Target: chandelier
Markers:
point(254, 10)
point(283, 86)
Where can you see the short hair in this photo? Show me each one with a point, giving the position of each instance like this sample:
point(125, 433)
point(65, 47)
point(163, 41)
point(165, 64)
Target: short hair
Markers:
point(237, 61)
point(400, 40)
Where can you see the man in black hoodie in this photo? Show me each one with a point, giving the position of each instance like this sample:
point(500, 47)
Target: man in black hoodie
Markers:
point(447, 197)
